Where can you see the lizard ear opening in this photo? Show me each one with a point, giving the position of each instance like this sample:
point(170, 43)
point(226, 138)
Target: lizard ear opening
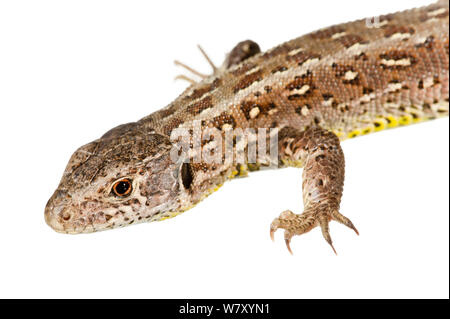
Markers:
point(186, 175)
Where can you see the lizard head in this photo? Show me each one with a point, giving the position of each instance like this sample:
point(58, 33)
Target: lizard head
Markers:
point(127, 176)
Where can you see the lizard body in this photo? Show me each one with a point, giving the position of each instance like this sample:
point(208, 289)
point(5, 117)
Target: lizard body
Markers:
point(311, 92)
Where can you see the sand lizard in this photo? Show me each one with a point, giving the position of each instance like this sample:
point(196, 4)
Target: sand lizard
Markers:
point(339, 82)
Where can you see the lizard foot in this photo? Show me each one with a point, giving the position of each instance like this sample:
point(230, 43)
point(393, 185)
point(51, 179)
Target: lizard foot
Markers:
point(242, 51)
point(297, 224)
point(193, 71)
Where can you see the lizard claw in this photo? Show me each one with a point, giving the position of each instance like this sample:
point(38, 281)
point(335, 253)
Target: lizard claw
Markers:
point(288, 241)
point(344, 220)
point(272, 232)
point(277, 222)
point(298, 224)
point(323, 221)
point(287, 235)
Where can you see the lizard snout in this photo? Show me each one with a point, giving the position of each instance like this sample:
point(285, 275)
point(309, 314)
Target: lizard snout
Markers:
point(57, 211)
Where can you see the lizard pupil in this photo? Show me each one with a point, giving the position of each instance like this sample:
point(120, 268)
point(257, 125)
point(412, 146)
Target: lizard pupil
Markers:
point(122, 188)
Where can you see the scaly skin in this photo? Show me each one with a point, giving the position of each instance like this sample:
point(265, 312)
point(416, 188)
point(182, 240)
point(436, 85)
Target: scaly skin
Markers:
point(340, 82)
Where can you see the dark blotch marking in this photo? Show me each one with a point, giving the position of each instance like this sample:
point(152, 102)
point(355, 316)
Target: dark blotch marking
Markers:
point(362, 56)
point(197, 93)
point(200, 106)
point(319, 157)
point(300, 81)
point(420, 85)
point(264, 108)
point(248, 80)
point(397, 55)
point(327, 96)
point(341, 70)
point(293, 97)
point(350, 39)
point(367, 90)
point(298, 109)
point(301, 57)
point(317, 120)
point(243, 69)
point(222, 119)
point(436, 80)
point(246, 107)
point(393, 29)
point(326, 33)
point(279, 69)
point(427, 44)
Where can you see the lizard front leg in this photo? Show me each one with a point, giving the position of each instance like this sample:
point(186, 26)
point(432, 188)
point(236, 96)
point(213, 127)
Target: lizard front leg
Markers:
point(320, 154)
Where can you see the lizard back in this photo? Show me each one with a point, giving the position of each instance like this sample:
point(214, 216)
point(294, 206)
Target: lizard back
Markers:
point(353, 78)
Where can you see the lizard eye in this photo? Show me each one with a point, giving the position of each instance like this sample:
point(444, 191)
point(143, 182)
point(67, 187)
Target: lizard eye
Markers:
point(122, 188)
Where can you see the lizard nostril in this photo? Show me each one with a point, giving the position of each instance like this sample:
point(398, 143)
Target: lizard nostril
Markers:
point(65, 215)
point(51, 220)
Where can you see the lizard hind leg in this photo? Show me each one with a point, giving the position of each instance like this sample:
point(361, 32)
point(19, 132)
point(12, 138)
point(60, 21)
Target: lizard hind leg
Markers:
point(323, 180)
point(193, 71)
point(241, 51)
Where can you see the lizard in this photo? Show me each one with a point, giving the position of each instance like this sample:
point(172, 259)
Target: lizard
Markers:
point(311, 93)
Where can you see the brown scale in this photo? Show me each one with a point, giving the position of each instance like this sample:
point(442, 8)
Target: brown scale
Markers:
point(279, 69)
point(245, 67)
point(350, 40)
point(393, 29)
point(198, 107)
point(327, 33)
point(342, 70)
point(277, 51)
point(247, 80)
point(302, 56)
point(199, 92)
point(224, 118)
point(396, 55)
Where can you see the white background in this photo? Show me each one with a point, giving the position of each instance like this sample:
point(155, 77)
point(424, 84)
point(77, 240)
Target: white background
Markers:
point(71, 70)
